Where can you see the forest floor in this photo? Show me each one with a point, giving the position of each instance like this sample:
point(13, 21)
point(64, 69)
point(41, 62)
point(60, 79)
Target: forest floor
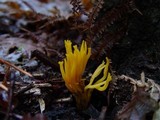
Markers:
point(32, 38)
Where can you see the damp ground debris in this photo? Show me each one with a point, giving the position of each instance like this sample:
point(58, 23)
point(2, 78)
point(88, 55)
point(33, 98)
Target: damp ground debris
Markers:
point(108, 70)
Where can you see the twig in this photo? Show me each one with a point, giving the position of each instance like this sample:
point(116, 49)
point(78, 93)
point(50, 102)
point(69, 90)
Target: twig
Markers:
point(45, 59)
point(62, 100)
point(6, 77)
point(24, 89)
point(3, 87)
point(10, 100)
point(103, 113)
point(9, 64)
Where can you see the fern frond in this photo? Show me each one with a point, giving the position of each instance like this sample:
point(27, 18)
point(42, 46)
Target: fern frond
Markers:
point(78, 7)
point(107, 42)
point(95, 12)
point(110, 17)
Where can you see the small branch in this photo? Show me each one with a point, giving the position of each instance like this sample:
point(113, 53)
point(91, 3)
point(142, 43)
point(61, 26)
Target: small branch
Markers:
point(7, 75)
point(64, 100)
point(3, 87)
point(45, 59)
point(11, 65)
point(103, 113)
point(10, 100)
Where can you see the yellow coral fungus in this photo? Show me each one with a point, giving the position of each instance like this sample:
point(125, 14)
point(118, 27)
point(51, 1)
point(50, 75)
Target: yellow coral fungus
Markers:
point(72, 69)
point(102, 83)
point(73, 66)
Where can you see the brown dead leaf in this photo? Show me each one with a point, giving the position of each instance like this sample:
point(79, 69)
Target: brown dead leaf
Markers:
point(144, 100)
point(139, 106)
point(28, 45)
point(19, 6)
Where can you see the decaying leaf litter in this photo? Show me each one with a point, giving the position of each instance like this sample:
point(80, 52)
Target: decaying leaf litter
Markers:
point(32, 42)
